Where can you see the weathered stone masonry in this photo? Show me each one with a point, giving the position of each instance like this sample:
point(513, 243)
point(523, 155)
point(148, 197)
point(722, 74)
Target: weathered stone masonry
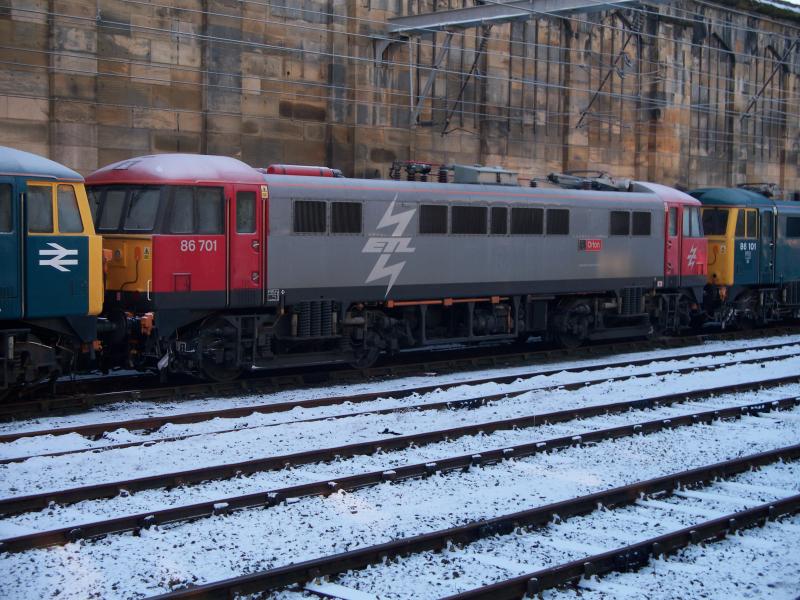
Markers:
point(662, 94)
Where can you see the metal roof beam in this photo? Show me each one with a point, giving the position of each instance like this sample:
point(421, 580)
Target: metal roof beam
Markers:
point(462, 18)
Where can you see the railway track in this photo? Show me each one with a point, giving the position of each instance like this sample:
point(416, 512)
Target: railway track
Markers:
point(613, 500)
point(494, 446)
point(269, 498)
point(154, 423)
point(86, 394)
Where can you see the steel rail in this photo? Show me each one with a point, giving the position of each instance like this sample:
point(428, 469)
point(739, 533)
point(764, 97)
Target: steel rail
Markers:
point(41, 500)
point(464, 462)
point(262, 384)
point(634, 556)
point(302, 572)
point(465, 403)
point(154, 423)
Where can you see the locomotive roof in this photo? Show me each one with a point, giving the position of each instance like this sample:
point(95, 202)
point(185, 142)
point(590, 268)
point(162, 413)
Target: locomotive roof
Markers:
point(738, 197)
point(643, 193)
point(176, 169)
point(19, 162)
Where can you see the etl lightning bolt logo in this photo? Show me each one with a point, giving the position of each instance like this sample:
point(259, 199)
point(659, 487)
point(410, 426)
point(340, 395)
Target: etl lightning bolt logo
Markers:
point(387, 246)
point(691, 258)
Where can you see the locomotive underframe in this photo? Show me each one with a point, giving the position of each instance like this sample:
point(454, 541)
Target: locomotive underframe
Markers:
point(223, 344)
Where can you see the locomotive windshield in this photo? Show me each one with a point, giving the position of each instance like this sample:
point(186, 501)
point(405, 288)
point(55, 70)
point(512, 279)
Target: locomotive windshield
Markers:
point(158, 209)
point(715, 221)
point(126, 208)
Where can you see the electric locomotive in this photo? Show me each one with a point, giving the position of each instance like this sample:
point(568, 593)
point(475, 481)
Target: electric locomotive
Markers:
point(218, 268)
point(753, 267)
point(51, 283)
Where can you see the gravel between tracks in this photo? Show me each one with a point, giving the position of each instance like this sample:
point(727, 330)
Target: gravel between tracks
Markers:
point(134, 410)
point(219, 547)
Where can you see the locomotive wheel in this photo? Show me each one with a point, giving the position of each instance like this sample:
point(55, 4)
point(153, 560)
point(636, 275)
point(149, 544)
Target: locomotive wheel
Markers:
point(572, 324)
point(366, 358)
point(211, 338)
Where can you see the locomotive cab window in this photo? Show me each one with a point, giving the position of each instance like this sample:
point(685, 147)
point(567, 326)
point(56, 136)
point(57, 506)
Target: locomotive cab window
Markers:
point(110, 210)
point(69, 217)
point(793, 227)
point(499, 220)
point(209, 206)
point(641, 223)
point(181, 218)
point(308, 216)
point(557, 221)
point(691, 222)
point(673, 221)
point(433, 218)
point(6, 223)
point(142, 209)
point(527, 221)
point(715, 221)
point(746, 222)
point(469, 219)
point(620, 222)
point(346, 217)
point(40, 209)
point(245, 212)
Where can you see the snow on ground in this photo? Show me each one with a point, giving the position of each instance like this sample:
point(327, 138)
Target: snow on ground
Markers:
point(52, 473)
point(60, 443)
point(135, 410)
point(524, 552)
point(124, 566)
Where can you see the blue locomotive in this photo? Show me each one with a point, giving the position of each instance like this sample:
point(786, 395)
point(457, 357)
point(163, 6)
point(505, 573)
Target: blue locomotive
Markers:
point(51, 281)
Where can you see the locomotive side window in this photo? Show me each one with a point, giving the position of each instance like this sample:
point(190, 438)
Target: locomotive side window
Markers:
point(111, 212)
point(142, 209)
point(557, 221)
point(641, 223)
point(499, 220)
point(469, 219)
point(345, 217)
point(309, 216)
point(673, 221)
point(793, 227)
point(5, 208)
point(245, 212)
point(69, 217)
point(527, 221)
point(40, 209)
point(433, 218)
point(620, 222)
point(715, 221)
point(752, 223)
point(182, 217)
point(209, 205)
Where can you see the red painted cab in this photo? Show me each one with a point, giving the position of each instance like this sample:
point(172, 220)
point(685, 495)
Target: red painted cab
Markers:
point(184, 231)
point(685, 248)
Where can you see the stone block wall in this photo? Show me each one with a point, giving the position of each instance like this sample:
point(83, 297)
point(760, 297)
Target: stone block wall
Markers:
point(687, 93)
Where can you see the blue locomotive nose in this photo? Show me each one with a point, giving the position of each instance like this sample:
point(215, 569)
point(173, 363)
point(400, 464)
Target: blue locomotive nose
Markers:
point(51, 275)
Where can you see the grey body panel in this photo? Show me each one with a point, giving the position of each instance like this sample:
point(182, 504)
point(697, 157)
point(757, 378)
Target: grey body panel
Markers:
point(307, 266)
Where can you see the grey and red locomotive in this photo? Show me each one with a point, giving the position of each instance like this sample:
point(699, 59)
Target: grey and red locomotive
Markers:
point(218, 268)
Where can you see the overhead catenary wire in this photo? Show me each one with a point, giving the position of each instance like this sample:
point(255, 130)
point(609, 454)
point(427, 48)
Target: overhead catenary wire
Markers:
point(647, 102)
point(362, 101)
point(624, 97)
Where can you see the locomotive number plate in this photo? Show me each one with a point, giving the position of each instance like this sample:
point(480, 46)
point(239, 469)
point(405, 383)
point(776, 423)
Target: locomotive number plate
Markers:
point(591, 245)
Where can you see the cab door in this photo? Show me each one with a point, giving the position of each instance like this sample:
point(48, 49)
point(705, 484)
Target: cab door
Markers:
point(246, 247)
point(56, 253)
point(10, 300)
point(672, 255)
point(767, 247)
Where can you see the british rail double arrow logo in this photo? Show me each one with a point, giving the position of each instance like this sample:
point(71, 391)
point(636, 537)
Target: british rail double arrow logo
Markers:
point(58, 260)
